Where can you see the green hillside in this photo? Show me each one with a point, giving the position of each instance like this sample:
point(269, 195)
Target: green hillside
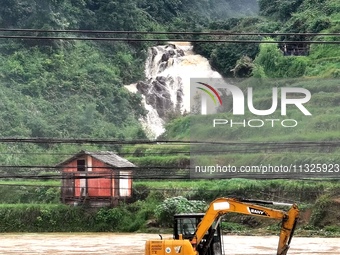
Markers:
point(317, 71)
point(74, 89)
point(296, 16)
point(69, 88)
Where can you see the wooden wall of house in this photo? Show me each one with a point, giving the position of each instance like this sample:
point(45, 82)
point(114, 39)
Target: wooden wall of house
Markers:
point(68, 181)
point(101, 187)
point(107, 184)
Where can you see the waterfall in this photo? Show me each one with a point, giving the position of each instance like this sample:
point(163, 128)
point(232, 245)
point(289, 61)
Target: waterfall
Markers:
point(166, 89)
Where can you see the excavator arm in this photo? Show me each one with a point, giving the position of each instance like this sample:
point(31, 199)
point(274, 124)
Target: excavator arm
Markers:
point(221, 206)
point(197, 246)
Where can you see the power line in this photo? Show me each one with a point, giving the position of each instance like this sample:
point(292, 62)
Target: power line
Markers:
point(176, 166)
point(192, 147)
point(149, 188)
point(126, 39)
point(184, 171)
point(47, 140)
point(162, 33)
point(186, 33)
point(174, 153)
point(168, 177)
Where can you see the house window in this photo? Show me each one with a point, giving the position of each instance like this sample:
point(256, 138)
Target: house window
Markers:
point(81, 165)
point(124, 184)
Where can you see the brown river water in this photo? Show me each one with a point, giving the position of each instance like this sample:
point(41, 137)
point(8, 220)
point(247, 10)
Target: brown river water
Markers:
point(133, 244)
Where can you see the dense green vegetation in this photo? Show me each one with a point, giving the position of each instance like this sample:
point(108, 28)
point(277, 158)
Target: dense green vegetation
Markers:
point(315, 71)
point(67, 88)
point(57, 218)
point(297, 16)
point(75, 88)
point(155, 202)
point(62, 88)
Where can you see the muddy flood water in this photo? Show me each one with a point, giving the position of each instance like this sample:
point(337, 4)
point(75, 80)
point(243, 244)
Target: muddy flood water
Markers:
point(133, 244)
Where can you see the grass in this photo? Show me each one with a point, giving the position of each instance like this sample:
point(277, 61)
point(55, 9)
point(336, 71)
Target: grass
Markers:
point(302, 192)
point(152, 149)
point(50, 183)
point(306, 193)
point(234, 184)
point(31, 205)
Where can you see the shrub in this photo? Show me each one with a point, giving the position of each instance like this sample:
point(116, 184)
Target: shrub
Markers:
point(171, 206)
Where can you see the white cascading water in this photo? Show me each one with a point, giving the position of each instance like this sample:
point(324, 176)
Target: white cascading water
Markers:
point(166, 90)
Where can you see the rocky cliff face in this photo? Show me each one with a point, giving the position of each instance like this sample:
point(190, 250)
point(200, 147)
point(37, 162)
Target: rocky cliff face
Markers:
point(166, 89)
point(163, 90)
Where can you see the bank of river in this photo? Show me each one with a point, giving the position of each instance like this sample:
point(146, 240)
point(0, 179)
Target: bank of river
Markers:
point(133, 244)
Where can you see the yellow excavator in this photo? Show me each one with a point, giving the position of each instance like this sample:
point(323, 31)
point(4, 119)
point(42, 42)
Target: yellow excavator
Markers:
point(200, 234)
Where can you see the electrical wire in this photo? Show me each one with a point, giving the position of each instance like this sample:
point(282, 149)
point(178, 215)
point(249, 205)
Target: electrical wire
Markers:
point(178, 153)
point(186, 33)
point(153, 174)
point(158, 40)
point(30, 30)
point(240, 147)
point(47, 140)
point(149, 188)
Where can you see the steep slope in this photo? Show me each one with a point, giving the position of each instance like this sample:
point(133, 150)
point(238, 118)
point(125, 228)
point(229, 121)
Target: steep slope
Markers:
point(62, 88)
point(317, 71)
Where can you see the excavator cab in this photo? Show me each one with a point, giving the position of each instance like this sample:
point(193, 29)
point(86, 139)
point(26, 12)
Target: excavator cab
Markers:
point(185, 224)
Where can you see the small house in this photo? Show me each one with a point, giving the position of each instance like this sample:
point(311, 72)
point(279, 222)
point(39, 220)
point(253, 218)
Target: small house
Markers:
point(297, 49)
point(96, 178)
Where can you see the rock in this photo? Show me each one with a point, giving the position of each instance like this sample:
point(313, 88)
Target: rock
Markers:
point(158, 87)
point(152, 223)
point(170, 45)
point(163, 66)
point(165, 57)
point(172, 52)
point(179, 95)
point(180, 53)
point(161, 79)
point(142, 87)
point(154, 52)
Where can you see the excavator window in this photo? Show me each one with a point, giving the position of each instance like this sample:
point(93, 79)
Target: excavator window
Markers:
point(185, 230)
point(186, 225)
